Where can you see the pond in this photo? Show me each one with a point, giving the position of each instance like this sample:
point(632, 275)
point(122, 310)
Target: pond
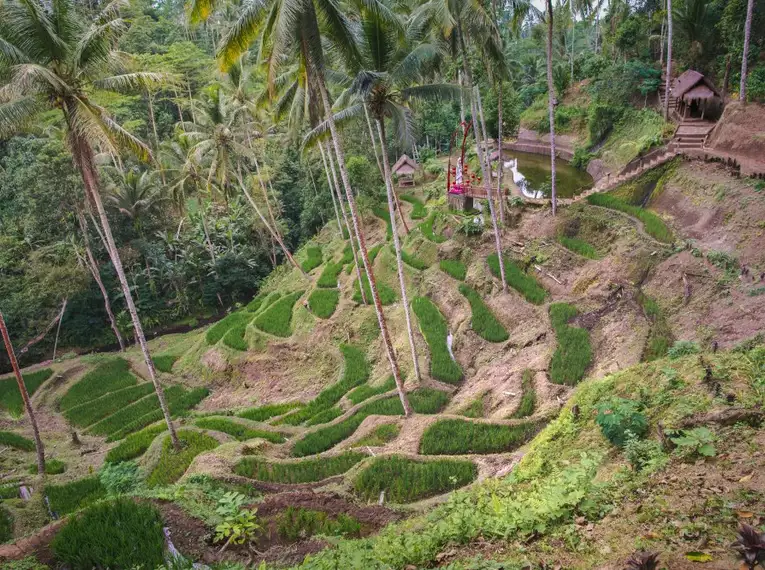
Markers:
point(531, 172)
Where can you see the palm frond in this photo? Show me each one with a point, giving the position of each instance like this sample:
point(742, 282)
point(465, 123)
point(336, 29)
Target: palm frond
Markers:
point(200, 10)
point(410, 67)
point(434, 92)
point(241, 35)
point(403, 124)
point(138, 80)
point(15, 114)
point(34, 78)
point(322, 129)
point(96, 45)
point(113, 132)
point(9, 53)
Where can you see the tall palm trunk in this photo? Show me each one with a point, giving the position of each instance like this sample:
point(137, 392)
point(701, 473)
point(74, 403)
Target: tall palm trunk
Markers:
point(551, 104)
point(24, 396)
point(573, 37)
point(397, 245)
point(745, 56)
point(661, 37)
point(486, 182)
point(83, 156)
point(331, 190)
point(500, 164)
point(484, 134)
point(362, 245)
point(669, 60)
point(374, 145)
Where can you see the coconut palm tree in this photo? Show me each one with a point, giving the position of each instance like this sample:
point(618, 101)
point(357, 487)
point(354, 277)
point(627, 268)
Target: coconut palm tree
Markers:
point(669, 60)
point(551, 104)
point(745, 56)
point(24, 396)
point(53, 60)
point(135, 195)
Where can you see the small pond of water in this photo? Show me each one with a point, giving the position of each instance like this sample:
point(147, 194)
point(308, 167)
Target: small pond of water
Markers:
point(531, 171)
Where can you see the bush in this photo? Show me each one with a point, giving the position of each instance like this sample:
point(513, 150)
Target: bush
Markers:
point(382, 213)
point(239, 431)
point(459, 437)
point(419, 211)
point(644, 455)
point(323, 302)
point(313, 259)
point(97, 409)
point(135, 444)
point(426, 228)
point(10, 397)
point(328, 277)
point(620, 419)
point(173, 464)
point(529, 397)
point(581, 158)
point(165, 362)
point(6, 526)
point(16, 441)
point(379, 436)
point(10, 491)
point(107, 377)
point(52, 467)
point(600, 120)
point(434, 327)
point(216, 332)
point(305, 471)
point(277, 318)
point(454, 268)
point(683, 348)
point(653, 224)
point(573, 355)
point(406, 480)
point(578, 246)
point(262, 413)
point(522, 282)
point(73, 496)
point(299, 524)
point(93, 541)
point(365, 391)
point(119, 478)
point(234, 338)
point(484, 323)
point(387, 295)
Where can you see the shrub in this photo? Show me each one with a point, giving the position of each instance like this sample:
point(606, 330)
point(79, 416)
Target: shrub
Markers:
point(387, 295)
point(16, 441)
point(323, 302)
point(305, 471)
point(97, 409)
point(70, 497)
point(620, 419)
point(165, 362)
point(313, 259)
point(379, 436)
point(406, 480)
point(600, 120)
point(644, 455)
point(277, 318)
point(382, 213)
point(484, 323)
point(455, 268)
point(581, 158)
point(426, 228)
point(653, 224)
point(325, 416)
point(573, 354)
point(413, 261)
point(237, 430)
point(578, 246)
point(173, 464)
point(522, 282)
point(419, 211)
point(216, 332)
point(298, 524)
point(328, 277)
point(119, 478)
point(52, 467)
point(135, 444)
point(262, 413)
point(696, 442)
point(93, 541)
point(107, 377)
point(528, 398)
point(6, 526)
point(234, 338)
point(365, 391)
point(459, 437)
point(10, 397)
point(683, 348)
point(434, 328)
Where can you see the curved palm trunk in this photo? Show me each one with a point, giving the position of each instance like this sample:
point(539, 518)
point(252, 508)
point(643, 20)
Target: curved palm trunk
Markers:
point(745, 56)
point(573, 35)
point(331, 190)
point(484, 133)
point(551, 104)
point(363, 246)
point(397, 247)
point(669, 60)
point(24, 396)
point(372, 138)
point(500, 164)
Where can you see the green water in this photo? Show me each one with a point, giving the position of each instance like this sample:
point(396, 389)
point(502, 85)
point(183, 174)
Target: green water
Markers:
point(533, 173)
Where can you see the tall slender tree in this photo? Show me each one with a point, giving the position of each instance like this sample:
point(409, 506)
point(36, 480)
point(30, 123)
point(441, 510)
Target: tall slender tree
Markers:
point(669, 60)
point(551, 104)
point(745, 55)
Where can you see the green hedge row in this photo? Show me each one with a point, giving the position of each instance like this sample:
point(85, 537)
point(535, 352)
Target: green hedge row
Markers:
point(268, 411)
point(323, 302)
point(454, 268)
point(218, 330)
point(522, 282)
point(276, 319)
point(387, 295)
point(305, 471)
point(10, 397)
point(434, 327)
point(573, 355)
point(365, 391)
point(75, 495)
point(239, 431)
point(107, 377)
point(135, 444)
point(97, 409)
point(313, 259)
point(459, 437)
point(172, 464)
point(419, 211)
point(484, 323)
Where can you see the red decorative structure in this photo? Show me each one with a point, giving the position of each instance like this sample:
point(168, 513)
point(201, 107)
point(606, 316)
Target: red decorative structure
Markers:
point(465, 186)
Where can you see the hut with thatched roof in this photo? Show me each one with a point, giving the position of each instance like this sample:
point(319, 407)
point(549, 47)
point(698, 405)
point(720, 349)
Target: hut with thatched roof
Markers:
point(696, 96)
point(404, 169)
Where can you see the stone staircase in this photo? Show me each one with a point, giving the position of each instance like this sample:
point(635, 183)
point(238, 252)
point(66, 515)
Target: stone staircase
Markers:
point(662, 97)
point(692, 134)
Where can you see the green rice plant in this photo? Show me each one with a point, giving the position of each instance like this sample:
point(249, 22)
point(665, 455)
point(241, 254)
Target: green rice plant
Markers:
point(573, 354)
point(16, 441)
point(254, 305)
point(6, 526)
point(365, 391)
point(328, 277)
point(522, 282)
point(459, 437)
point(387, 295)
point(9, 492)
point(373, 252)
point(347, 254)
point(379, 436)
point(413, 261)
point(75, 495)
point(107, 377)
point(454, 268)
point(313, 259)
point(484, 323)
point(382, 213)
point(528, 396)
point(277, 318)
point(173, 464)
point(293, 472)
point(476, 408)
point(270, 299)
point(323, 302)
point(216, 332)
point(579, 246)
point(406, 480)
point(239, 431)
point(128, 414)
point(325, 416)
point(120, 534)
point(97, 409)
point(299, 524)
point(419, 211)
point(434, 327)
point(426, 228)
point(234, 338)
point(10, 397)
point(653, 224)
point(135, 444)
point(165, 362)
point(52, 467)
point(263, 413)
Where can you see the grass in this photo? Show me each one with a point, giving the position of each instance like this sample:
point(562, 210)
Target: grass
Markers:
point(434, 327)
point(234, 338)
point(263, 413)
point(382, 213)
point(419, 211)
point(16, 441)
point(237, 430)
point(347, 254)
point(413, 260)
point(135, 444)
point(165, 362)
point(372, 252)
point(528, 396)
point(660, 337)
point(328, 277)
point(107, 377)
point(299, 524)
point(476, 408)
point(254, 305)
point(365, 391)
point(97, 409)
point(522, 282)
point(6, 526)
point(130, 413)
point(173, 464)
point(484, 323)
point(458, 437)
point(10, 397)
point(325, 416)
point(313, 259)
point(578, 246)
point(73, 496)
point(426, 228)
point(216, 332)
point(653, 224)
point(379, 436)
point(9, 492)
point(454, 268)
point(573, 355)
point(406, 480)
point(52, 467)
point(305, 471)
point(387, 295)
point(323, 302)
point(277, 318)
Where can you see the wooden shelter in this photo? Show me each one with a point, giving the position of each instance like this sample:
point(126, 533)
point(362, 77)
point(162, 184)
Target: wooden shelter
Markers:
point(404, 169)
point(696, 96)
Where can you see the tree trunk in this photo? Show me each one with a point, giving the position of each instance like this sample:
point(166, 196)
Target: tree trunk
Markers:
point(573, 36)
point(331, 190)
point(462, 96)
point(24, 396)
point(669, 60)
point(362, 245)
point(500, 164)
point(726, 78)
point(484, 134)
point(374, 145)
point(661, 38)
point(551, 105)
point(83, 156)
point(210, 247)
point(745, 56)
point(397, 246)
point(265, 196)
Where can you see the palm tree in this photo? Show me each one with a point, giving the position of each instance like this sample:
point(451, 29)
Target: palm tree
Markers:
point(745, 56)
point(551, 103)
point(669, 60)
point(136, 196)
point(24, 396)
point(54, 61)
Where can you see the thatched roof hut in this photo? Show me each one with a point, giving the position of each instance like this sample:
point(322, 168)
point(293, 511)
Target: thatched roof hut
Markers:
point(405, 168)
point(696, 94)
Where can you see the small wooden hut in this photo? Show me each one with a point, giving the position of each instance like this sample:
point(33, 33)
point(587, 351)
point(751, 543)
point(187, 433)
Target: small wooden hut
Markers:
point(696, 96)
point(404, 169)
